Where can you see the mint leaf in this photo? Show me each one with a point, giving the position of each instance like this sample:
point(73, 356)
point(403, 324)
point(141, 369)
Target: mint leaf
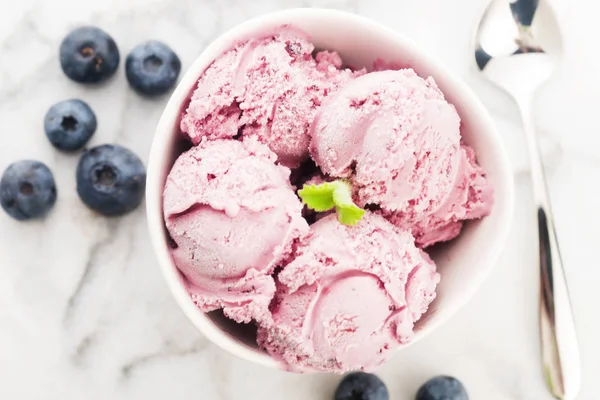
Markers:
point(318, 197)
point(329, 195)
point(349, 214)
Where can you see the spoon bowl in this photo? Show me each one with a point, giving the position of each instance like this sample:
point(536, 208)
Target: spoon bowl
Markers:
point(518, 44)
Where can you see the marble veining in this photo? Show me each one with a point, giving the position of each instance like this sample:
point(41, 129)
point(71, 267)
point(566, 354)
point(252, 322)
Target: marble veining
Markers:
point(84, 312)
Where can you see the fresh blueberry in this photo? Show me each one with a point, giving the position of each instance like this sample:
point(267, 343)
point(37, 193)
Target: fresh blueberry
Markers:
point(89, 55)
point(361, 386)
point(442, 388)
point(27, 190)
point(70, 124)
point(111, 180)
point(152, 68)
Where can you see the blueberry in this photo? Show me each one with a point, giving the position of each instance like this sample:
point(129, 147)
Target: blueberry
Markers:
point(70, 124)
point(27, 190)
point(361, 386)
point(111, 180)
point(89, 55)
point(442, 388)
point(152, 68)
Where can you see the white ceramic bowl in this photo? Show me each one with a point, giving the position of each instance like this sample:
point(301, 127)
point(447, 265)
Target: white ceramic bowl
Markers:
point(463, 264)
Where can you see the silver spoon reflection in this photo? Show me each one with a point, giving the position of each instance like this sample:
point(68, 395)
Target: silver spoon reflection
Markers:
point(517, 46)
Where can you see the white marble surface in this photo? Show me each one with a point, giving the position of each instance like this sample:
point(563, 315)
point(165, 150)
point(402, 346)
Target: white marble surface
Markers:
point(84, 313)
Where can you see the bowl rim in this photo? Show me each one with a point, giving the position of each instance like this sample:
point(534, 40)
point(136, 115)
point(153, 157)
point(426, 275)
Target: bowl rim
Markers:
point(163, 137)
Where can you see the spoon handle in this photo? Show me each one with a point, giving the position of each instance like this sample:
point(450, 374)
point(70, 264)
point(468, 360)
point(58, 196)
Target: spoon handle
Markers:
point(560, 351)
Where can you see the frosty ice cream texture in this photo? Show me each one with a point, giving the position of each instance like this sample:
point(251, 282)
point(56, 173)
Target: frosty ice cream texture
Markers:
point(397, 138)
point(348, 296)
point(268, 88)
point(328, 297)
point(233, 217)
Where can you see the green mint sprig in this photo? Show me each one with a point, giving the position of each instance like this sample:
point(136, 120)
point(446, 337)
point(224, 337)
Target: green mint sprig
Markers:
point(329, 195)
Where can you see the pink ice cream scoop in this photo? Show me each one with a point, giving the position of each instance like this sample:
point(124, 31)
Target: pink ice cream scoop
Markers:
point(348, 297)
point(233, 217)
point(471, 198)
point(395, 135)
point(270, 88)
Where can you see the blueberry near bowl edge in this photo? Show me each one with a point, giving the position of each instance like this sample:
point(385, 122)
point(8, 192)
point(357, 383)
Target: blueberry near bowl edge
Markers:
point(442, 388)
point(152, 68)
point(361, 386)
point(111, 180)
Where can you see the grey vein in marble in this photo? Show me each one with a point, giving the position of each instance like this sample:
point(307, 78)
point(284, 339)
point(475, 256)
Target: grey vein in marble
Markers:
point(89, 270)
point(169, 350)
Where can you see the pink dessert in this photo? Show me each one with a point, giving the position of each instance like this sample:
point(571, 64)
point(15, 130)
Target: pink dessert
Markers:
point(397, 138)
point(233, 217)
point(349, 296)
point(394, 135)
point(268, 87)
point(326, 295)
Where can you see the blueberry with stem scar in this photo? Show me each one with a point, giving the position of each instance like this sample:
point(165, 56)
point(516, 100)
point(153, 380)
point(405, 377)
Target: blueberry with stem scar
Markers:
point(111, 180)
point(70, 124)
point(89, 55)
point(27, 190)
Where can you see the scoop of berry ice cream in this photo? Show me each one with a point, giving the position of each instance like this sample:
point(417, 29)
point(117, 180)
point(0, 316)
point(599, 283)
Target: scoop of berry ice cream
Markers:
point(395, 136)
point(269, 87)
point(233, 217)
point(348, 296)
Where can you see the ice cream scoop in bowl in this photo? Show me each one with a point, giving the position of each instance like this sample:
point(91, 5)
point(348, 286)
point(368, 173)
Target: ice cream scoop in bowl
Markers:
point(462, 263)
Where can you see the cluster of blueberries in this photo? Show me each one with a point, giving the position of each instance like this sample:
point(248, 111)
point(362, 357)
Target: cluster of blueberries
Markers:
point(110, 178)
point(363, 386)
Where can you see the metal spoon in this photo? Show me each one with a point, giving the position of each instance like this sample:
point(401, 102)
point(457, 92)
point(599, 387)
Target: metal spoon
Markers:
point(518, 43)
